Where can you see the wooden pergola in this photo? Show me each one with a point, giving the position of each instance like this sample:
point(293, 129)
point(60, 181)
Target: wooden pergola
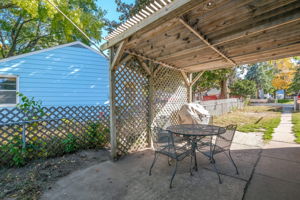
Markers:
point(154, 54)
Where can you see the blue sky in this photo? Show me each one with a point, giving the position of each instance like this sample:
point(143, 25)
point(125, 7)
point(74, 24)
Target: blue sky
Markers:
point(110, 7)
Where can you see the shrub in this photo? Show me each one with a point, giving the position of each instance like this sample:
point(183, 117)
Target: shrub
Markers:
point(97, 135)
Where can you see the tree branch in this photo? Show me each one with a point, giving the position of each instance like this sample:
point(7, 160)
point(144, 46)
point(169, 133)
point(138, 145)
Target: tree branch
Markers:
point(15, 35)
point(10, 5)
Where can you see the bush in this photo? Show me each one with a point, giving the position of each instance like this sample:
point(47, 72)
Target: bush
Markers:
point(98, 135)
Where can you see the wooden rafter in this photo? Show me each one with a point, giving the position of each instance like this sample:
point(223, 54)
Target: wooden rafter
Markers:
point(197, 78)
point(186, 79)
point(202, 37)
point(125, 59)
point(242, 35)
point(153, 60)
point(143, 64)
point(169, 11)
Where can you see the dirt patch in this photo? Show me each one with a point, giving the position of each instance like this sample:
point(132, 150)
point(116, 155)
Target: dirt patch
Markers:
point(30, 181)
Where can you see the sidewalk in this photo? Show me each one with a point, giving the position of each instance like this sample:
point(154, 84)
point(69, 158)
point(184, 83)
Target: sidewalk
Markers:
point(277, 172)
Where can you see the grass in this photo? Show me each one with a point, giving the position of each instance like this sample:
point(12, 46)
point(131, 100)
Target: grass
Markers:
point(296, 126)
point(253, 119)
point(286, 101)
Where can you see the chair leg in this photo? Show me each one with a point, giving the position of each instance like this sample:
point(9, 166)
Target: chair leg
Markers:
point(174, 173)
point(154, 160)
point(213, 162)
point(169, 161)
point(236, 169)
point(191, 165)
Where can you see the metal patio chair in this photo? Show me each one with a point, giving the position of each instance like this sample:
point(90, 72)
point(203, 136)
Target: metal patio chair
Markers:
point(167, 144)
point(222, 144)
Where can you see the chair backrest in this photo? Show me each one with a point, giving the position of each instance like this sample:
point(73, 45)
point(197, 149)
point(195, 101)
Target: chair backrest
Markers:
point(224, 140)
point(160, 137)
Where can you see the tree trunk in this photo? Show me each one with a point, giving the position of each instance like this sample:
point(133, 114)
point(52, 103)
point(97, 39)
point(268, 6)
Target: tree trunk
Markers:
point(224, 89)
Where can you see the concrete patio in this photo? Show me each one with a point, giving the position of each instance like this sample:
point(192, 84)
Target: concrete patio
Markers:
point(269, 171)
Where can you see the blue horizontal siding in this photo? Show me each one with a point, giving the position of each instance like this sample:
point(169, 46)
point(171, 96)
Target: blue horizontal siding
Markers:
point(65, 76)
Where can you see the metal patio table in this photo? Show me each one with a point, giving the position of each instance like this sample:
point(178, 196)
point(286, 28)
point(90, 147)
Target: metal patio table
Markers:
point(194, 132)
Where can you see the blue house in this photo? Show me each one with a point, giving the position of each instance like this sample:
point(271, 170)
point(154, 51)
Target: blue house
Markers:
point(66, 75)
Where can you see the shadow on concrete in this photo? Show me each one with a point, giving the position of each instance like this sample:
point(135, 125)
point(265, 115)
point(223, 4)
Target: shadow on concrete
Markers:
point(272, 173)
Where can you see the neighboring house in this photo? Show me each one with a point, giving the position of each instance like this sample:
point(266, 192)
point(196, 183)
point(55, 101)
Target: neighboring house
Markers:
point(66, 75)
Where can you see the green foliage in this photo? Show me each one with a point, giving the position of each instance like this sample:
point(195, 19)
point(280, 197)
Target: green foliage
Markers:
point(31, 107)
point(212, 79)
point(295, 87)
point(243, 88)
point(97, 135)
point(15, 151)
point(285, 101)
point(28, 25)
point(70, 143)
point(296, 126)
point(262, 74)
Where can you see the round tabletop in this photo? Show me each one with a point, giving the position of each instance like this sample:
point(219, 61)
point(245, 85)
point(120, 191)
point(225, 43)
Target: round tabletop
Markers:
point(196, 129)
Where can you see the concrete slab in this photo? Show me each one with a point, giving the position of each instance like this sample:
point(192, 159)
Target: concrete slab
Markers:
point(249, 139)
point(278, 168)
point(128, 179)
point(282, 150)
point(268, 188)
point(244, 156)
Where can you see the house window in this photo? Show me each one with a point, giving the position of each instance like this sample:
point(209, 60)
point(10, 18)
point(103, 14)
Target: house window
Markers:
point(8, 90)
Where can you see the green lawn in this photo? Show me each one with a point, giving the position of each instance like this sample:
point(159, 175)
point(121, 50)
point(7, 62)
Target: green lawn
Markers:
point(253, 119)
point(286, 101)
point(296, 126)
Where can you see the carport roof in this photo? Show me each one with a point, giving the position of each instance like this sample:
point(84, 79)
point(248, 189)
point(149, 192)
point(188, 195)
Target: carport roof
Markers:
point(196, 35)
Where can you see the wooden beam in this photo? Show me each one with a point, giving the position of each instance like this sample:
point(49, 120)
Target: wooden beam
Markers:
point(157, 69)
point(202, 38)
point(153, 60)
point(125, 59)
point(170, 11)
point(186, 79)
point(144, 65)
point(197, 78)
point(118, 54)
point(244, 34)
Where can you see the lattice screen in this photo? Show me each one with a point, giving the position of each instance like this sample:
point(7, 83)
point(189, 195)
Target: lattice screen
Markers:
point(131, 103)
point(170, 93)
point(30, 135)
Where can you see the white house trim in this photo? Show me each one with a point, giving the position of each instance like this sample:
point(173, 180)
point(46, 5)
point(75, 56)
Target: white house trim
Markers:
point(49, 49)
point(17, 90)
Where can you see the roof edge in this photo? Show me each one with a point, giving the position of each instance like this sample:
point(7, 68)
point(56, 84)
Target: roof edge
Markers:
point(161, 13)
point(49, 49)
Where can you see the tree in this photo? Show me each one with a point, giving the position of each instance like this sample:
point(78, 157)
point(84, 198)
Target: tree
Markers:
point(126, 10)
point(243, 88)
point(286, 71)
point(295, 86)
point(30, 25)
point(262, 74)
point(214, 79)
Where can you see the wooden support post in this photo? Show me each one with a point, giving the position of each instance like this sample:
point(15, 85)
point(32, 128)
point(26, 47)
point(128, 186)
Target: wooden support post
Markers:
point(113, 133)
point(151, 105)
point(190, 88)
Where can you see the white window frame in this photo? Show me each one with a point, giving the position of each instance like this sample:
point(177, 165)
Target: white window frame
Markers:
point(17, 89)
